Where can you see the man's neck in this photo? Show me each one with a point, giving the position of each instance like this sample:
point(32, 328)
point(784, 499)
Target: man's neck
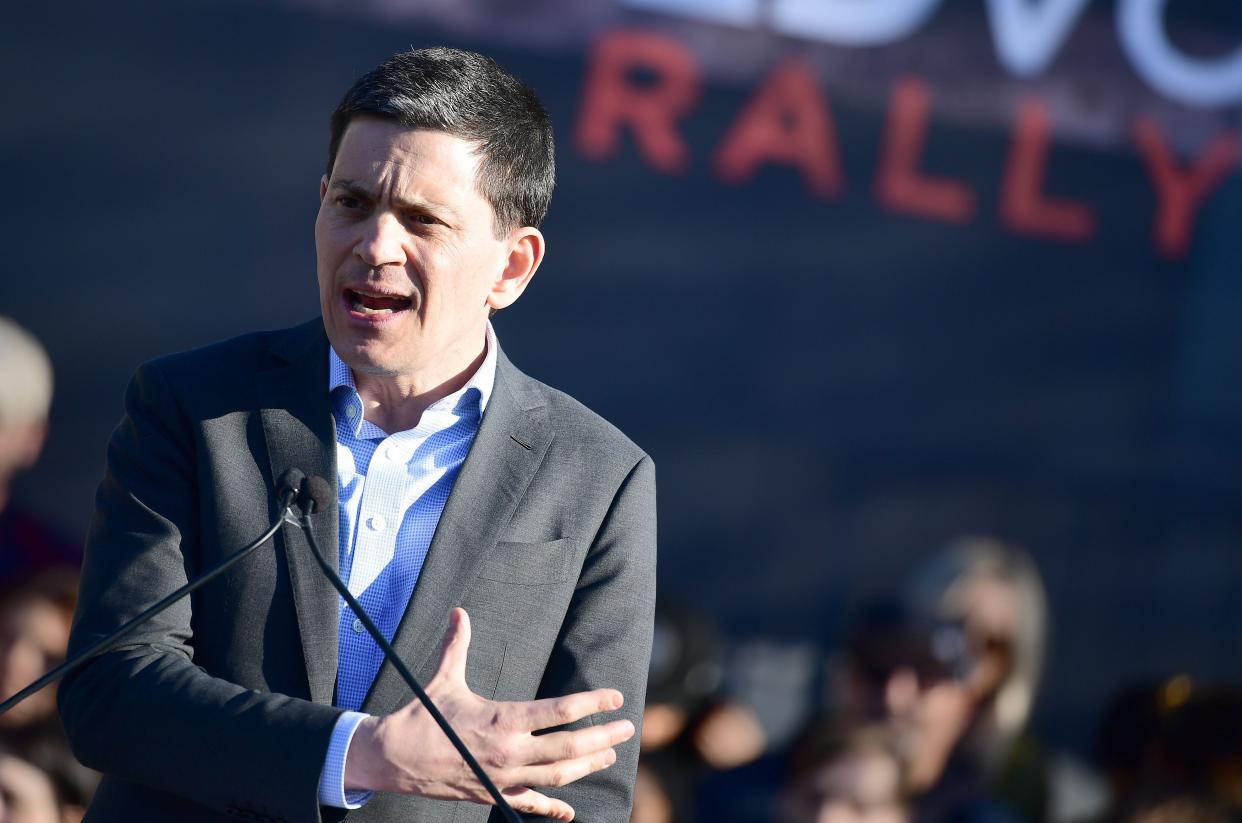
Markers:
point(396, 403)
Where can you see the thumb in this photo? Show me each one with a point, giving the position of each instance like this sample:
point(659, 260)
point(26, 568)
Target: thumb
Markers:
point(454, 648)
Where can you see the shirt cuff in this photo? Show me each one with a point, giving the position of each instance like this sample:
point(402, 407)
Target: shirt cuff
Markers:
point(332, 780)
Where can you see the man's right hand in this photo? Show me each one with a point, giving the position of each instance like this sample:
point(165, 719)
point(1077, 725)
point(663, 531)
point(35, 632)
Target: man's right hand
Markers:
point(407, 752)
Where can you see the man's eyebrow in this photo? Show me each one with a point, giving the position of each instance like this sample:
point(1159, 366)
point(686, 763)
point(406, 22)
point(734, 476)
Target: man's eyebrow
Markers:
point(359, 190)
point(353, 187)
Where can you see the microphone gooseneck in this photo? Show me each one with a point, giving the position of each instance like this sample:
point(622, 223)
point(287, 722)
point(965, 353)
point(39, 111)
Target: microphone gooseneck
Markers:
point(316, 495)
point(287, 488)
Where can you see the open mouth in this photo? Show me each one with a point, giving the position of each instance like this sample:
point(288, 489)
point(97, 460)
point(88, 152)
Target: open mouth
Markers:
point(375, 304)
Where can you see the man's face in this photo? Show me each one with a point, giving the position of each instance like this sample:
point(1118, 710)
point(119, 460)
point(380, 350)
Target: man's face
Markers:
point(408, 259)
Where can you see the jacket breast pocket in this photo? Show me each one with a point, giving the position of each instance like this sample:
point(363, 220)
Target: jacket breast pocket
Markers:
point(532, 564)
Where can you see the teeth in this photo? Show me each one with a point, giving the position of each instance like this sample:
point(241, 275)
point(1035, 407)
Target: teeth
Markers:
point(355, 303)
point(380, 304)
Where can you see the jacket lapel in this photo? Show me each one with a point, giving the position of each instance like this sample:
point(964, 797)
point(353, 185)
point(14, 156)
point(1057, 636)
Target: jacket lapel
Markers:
point(300, 433)
point(513, 439)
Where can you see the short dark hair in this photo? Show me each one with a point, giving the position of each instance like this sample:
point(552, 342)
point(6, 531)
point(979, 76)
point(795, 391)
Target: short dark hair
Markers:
point(469, 96)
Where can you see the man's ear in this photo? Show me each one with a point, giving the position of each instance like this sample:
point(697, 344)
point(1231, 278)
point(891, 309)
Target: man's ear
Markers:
point(525, 254)
point(323, 187)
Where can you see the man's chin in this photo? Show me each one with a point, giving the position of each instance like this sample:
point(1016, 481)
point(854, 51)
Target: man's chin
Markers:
point(363, 352)
point(367, 358)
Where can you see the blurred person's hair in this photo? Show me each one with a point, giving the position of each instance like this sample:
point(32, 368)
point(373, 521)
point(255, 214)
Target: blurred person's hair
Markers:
point(844, 763)
point(25, 376)
point(57, 587)
point(471, 97)
point(828, 739)
point(1207, 723)
point(686, 666)
point(1173, 804)
point(73, 783)
point(1130, 737)
point(885, 635)
point(1176, 731)
point(27, 792)
point(939, 588)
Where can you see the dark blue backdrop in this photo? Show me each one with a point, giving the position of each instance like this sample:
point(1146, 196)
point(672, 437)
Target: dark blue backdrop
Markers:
point(829, 389)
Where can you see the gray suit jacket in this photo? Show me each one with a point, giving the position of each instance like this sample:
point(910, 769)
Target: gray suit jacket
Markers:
point(221, 708)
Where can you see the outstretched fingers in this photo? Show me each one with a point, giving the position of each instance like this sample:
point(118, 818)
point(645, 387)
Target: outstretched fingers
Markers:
point(558, 746)
point(550, 712)
point(529, 801)
point(562, 772)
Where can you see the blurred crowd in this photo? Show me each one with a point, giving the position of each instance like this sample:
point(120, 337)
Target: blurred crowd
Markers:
point(922, 715)
point(924, 718)
point(40, 782)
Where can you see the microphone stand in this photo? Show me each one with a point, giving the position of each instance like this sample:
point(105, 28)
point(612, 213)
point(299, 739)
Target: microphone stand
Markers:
point(287, 484)
point(308, 508)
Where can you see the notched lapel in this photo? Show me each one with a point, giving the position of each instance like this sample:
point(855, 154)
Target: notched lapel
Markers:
point(513, 439)
point(299, 429)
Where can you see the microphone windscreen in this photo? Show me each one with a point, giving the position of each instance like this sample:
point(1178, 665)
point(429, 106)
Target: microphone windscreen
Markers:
point(318, 491)
point(289, 484)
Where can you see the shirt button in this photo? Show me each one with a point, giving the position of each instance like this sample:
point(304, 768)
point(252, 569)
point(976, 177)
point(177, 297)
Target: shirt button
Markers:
point(357, 625)
point(375, 523)
point(351, 412)
point(394, 452)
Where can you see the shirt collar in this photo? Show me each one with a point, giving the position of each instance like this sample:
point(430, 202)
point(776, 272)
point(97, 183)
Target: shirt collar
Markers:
point(483, 381)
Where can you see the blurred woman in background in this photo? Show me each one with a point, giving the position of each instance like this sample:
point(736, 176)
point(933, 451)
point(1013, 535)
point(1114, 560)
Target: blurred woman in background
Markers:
point(975, 732)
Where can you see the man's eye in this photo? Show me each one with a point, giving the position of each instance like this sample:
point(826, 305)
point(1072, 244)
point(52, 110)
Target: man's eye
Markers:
point(424, 219)
point(349, 202)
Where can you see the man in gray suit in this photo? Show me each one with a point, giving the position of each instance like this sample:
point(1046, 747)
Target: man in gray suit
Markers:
point(480, 513)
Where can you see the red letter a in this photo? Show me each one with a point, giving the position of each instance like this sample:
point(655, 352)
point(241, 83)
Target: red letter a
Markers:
point(786, 123)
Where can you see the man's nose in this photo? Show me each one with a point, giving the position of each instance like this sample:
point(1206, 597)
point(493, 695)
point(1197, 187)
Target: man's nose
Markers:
point(381, 242)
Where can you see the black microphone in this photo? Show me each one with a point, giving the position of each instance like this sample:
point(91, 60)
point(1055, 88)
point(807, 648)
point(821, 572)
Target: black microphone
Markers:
point(287, 488)
point(316, 495)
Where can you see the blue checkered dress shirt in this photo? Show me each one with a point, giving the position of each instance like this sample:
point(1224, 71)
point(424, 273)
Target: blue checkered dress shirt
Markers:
point(392, 489)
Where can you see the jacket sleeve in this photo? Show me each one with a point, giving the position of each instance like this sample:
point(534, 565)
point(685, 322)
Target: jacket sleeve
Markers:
point(605, 640)
point(143, 711)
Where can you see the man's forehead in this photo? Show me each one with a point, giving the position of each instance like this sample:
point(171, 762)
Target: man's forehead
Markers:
point(402, 161)
point(372, 135)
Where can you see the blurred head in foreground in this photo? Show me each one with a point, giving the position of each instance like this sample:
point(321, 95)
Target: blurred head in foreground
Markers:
point(43, 783)
point(25, 397)
point(845, 773)
point(27, 794)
